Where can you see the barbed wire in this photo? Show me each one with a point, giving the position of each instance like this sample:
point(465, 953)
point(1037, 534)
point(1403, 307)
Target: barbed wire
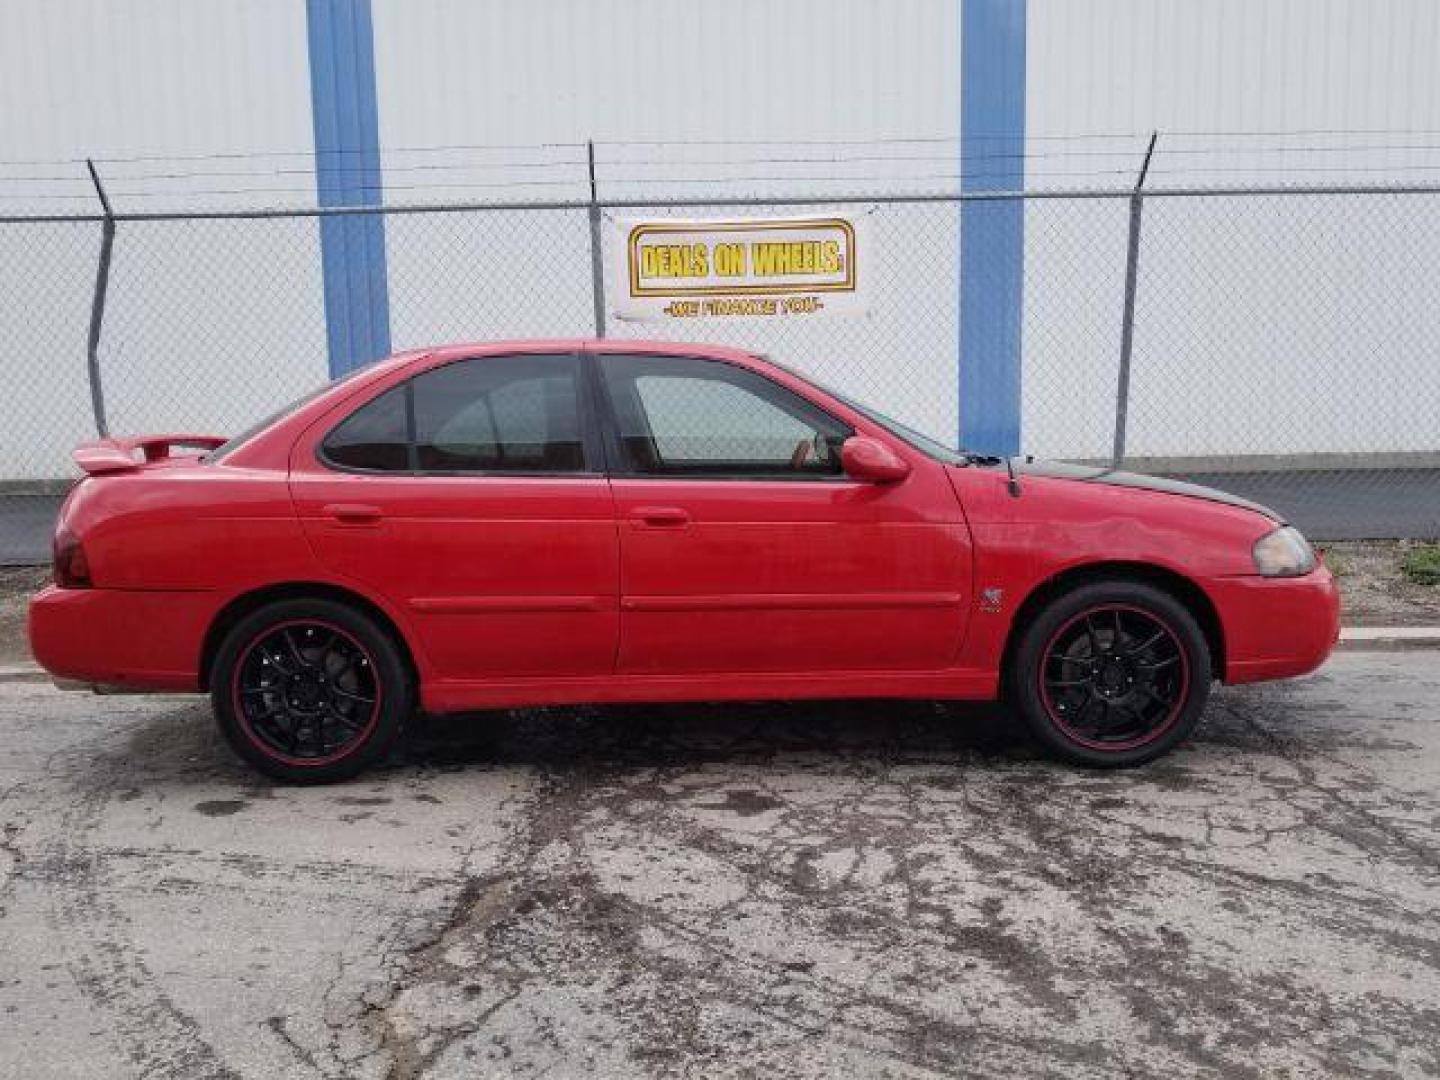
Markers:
point(391, 168)
point(630, 164)
point(915, 140)
point(607, 161)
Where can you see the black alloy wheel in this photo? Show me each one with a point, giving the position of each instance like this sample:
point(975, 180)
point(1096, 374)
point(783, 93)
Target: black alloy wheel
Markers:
point(310, 690)
point(1111, 673)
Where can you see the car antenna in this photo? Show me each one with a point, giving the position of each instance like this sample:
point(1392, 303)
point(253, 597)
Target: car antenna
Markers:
point(1014, 483)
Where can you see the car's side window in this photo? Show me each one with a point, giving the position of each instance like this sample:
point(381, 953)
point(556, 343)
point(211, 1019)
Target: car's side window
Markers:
point(500, 414)
point(373, 438)
point(686, 416)
point(490, 414)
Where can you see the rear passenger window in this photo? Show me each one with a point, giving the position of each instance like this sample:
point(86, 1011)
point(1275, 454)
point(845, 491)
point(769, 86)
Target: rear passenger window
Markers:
point(373, 438)
point(499, 414)
point(490, 414)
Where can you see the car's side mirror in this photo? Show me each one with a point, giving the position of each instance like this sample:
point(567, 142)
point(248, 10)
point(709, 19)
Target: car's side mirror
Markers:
point(870, 459)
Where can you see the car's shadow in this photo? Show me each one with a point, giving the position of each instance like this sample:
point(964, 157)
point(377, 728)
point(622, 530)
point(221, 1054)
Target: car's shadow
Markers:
point(181, 746)
point(649, 736)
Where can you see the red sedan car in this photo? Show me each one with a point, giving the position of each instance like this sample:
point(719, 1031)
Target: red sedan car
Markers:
point(598, 521)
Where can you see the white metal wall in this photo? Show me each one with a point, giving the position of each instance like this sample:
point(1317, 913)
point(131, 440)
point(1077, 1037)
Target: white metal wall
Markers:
point(697, 99)
point(496, 72)
point(117, 78)
point(683, 99)
point(160, 85)
point(1232, 66)
point(1273, 326)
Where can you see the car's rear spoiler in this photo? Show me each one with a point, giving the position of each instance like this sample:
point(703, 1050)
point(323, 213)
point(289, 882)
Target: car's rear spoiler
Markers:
point(119, 455)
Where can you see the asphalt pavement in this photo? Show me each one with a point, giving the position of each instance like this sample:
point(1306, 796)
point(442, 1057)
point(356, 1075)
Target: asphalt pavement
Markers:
point(868, 889)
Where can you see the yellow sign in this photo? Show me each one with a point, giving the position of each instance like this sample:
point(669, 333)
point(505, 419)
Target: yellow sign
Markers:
point(756, 268)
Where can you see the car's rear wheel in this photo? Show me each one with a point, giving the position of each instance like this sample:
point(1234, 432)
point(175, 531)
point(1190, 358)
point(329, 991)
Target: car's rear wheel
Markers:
point(310, 690)
point(1111, 673)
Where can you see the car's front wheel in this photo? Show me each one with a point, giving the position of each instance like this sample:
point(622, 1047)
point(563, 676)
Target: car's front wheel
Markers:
point(310, 690)
point(1111, 673)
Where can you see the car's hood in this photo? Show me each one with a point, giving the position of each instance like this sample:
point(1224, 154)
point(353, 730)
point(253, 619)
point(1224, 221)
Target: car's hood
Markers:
point(1090, 474)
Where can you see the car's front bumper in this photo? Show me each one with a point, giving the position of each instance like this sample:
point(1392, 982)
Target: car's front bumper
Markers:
point(1276, 628)
point(120, 638)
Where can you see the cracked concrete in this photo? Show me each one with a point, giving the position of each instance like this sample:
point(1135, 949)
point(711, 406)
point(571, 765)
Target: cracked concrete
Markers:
point(807, 890)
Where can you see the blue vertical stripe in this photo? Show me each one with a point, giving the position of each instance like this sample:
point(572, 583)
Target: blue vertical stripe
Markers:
point(992, 232)
point(347, 173)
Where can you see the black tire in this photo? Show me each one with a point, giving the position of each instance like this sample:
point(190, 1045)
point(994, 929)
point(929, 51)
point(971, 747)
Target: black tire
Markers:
point(1139, 697)
point(352, 690)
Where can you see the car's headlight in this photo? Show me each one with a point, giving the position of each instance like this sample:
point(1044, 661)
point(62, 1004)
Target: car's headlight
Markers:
point(1283, 553)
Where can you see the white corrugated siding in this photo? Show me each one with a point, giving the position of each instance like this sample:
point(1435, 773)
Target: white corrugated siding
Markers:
point(1267, 326)
point(683, 99)
point(1123, 66)
point(1239, 310)
point(495, 72)
point(206, 323)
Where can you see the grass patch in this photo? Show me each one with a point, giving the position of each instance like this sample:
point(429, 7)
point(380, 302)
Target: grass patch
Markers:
point(1335, 561)
point(1422, 564)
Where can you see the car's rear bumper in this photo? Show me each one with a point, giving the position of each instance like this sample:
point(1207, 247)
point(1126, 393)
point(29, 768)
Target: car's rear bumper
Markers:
point(120, 638)
point(1276, 628)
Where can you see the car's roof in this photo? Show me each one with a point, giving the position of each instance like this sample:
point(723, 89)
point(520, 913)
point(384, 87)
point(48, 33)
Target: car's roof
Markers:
point(607, 345)
point(280, 432)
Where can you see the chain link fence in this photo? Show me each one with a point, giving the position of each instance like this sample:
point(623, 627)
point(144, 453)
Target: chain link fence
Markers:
point(1283, 343)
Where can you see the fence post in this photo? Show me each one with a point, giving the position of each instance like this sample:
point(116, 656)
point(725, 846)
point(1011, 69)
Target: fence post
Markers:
point(597, 261)
point(97, 304)
point(1127, 323)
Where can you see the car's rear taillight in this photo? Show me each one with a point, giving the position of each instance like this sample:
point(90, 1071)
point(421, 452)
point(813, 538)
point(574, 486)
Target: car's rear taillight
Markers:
point(72, 570)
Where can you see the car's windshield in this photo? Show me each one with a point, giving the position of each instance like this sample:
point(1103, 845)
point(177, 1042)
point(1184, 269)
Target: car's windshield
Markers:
point(906, 434)
point(237, 441)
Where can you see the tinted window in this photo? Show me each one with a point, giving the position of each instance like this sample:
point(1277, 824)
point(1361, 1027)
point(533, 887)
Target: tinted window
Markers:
point(491, 414)
point(680, 415)
point(226, 449)
point(373, 437)
point(517, 413)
